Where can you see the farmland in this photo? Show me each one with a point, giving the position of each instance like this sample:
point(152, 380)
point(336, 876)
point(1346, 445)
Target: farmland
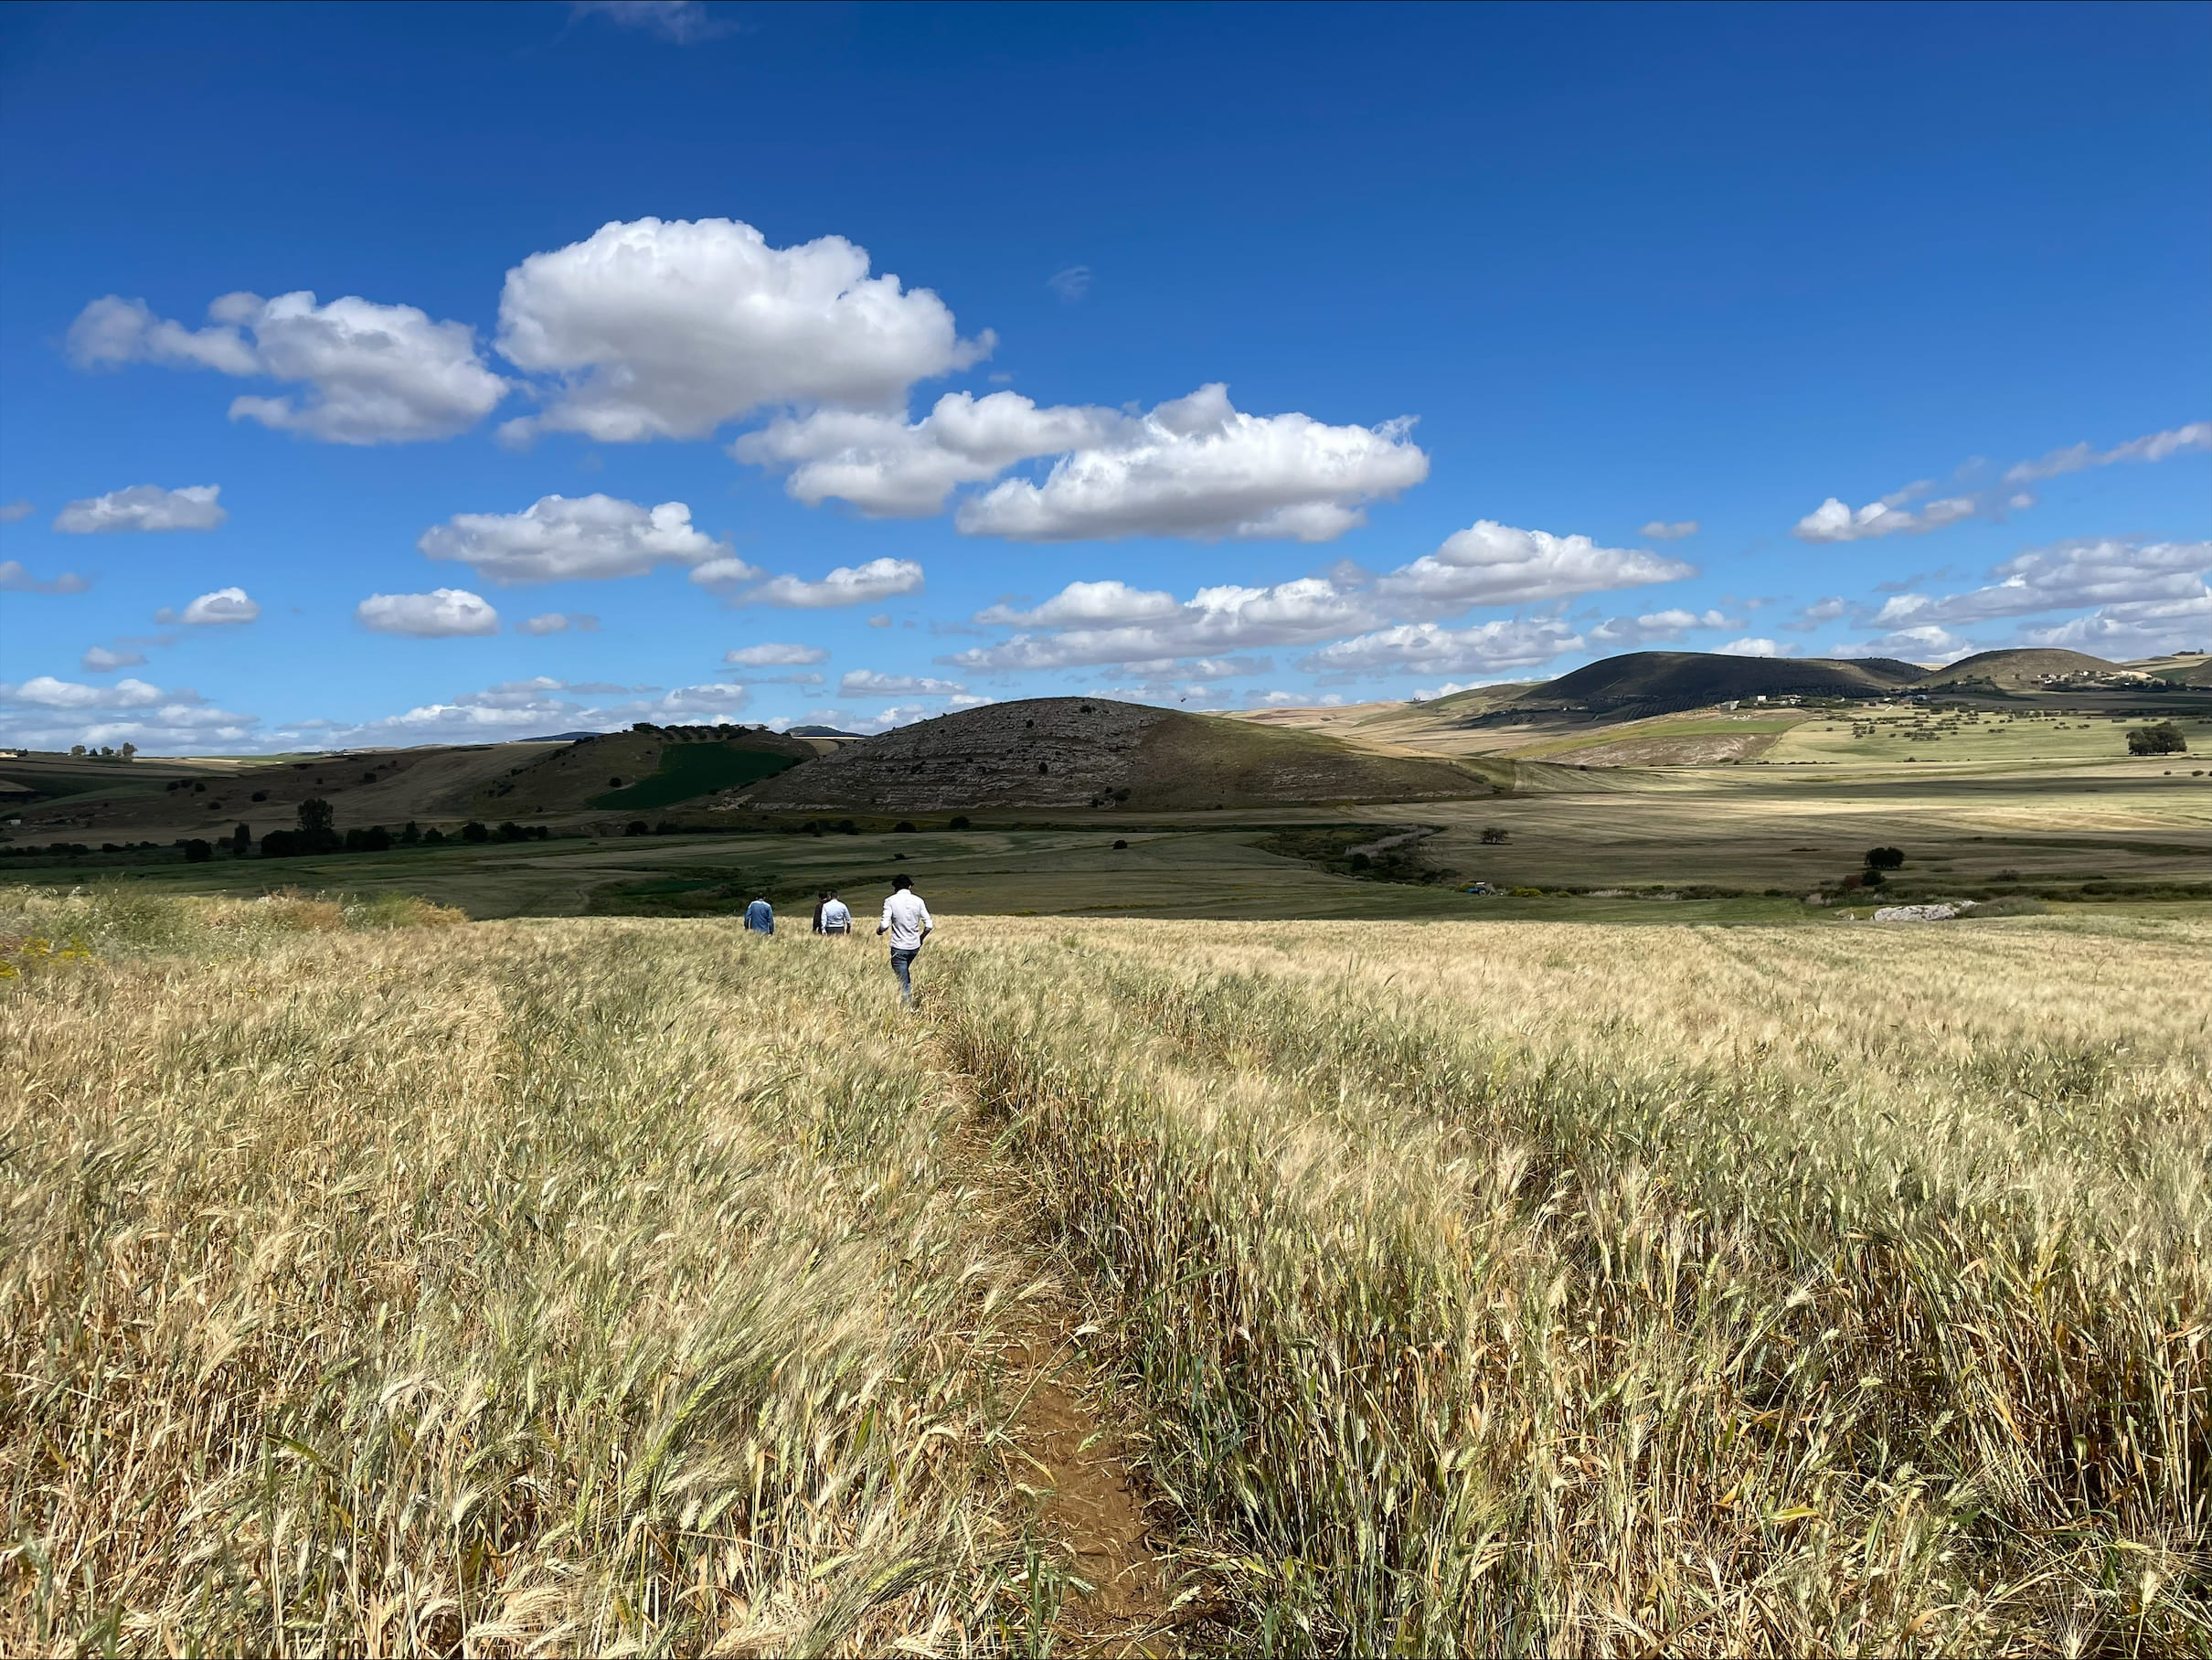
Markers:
point(372, 1282)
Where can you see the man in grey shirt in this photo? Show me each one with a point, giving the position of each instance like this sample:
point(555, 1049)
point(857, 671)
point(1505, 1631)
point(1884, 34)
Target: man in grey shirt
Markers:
point(906, 920)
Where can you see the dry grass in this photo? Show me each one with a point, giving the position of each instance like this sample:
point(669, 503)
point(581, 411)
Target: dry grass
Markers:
point(600, 1286)
point(1567, 1290)
point(574, 1289)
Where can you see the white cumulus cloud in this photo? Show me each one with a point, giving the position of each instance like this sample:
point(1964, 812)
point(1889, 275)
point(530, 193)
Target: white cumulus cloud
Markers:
point(775, 654)
point(561, 539)
point(2143, 628)
point(1893, 515)
point(368, 373)
point(441, 612)
point(1493, 564)
point(225, 605)
point(1425, 648)
point(669, 329)
point(1927, 644)
point(1753, 646)
point(2100, 570)
point(1199, 467)
point(867, 683)
point(100, 660)
point(43, 691)
point(144, 507)
point(847, 585)
point(890, 469)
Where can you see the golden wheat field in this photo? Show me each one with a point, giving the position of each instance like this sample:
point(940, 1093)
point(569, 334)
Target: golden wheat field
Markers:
point(371, 1284)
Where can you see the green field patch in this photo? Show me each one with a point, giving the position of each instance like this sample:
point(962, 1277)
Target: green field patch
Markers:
point(692, 770)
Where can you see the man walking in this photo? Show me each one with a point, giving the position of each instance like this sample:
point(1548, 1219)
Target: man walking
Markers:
point(906, 920)
point(761, 917)
point(835, 916)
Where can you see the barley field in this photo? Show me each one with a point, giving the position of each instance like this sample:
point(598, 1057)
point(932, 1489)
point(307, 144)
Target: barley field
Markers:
point(371, 1283)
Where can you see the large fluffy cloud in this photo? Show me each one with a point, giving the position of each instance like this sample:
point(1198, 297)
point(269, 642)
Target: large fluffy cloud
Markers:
point(1195, 466)
point(1200, 467)
point(440, 614)
point(1493, 564)
point(1488, 648)
point(889, 468)
point(45, 692)
point(561, 539)
point(670, 328)
point(144, 507)
point(367, 373)
point(514, 708)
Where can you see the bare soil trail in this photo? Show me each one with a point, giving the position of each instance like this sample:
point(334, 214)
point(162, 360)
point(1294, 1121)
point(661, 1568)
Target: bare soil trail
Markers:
point(1063, 1447)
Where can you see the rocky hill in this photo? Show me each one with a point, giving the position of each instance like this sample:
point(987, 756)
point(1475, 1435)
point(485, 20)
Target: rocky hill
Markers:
point(1060, 752)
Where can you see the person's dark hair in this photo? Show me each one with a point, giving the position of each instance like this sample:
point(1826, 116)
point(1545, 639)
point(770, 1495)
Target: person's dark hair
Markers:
point(901, 881)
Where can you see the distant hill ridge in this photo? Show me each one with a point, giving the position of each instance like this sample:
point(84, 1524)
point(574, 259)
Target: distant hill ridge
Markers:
point(1093, 751)
point(1657, 682)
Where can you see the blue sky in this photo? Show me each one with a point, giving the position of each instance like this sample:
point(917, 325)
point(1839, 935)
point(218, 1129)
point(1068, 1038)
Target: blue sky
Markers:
point(562, 365)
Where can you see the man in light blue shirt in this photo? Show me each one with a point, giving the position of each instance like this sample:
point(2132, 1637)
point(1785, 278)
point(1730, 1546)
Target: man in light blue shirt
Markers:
point(761, 917)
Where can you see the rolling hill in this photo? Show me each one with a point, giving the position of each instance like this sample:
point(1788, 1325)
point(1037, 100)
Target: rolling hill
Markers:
point(1075, 752)
point(1638, 684)
point(2022, 670)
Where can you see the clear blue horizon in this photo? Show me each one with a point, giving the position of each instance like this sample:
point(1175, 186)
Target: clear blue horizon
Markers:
point(546, 368)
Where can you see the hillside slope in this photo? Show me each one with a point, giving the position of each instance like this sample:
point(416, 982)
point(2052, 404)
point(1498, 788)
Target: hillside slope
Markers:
point(2019, 671)
point(1655, 683)
point(1074, 753)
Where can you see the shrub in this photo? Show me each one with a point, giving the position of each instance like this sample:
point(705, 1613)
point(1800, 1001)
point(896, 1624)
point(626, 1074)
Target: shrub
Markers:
point(1885, 858)
point(960, 821)
point(903, 827)
point(1494, 834)
point(473, 831)
point(637, 826)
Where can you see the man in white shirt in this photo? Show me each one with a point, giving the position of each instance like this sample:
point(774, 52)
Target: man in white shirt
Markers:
point(906, 920)
point(836, 915)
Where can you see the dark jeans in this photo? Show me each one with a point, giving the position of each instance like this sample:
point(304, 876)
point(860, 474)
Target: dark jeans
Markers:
point(902, 964)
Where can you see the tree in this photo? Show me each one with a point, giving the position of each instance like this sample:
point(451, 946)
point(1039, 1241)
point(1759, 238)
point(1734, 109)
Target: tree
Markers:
point(128, 751)
point(474, 831)
point(197, 852)
point(960, 821)
point(318, 825)
point(412, 834)
point(637, 826)
point(2165, 738)
point(76, 749)
point(241, 841)
point(1885, 858)
point(1494, 834)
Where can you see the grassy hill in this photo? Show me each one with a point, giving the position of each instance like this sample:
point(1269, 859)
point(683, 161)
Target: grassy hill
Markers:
point(2020, 671)
point(1637, 684)
point(642, 768)
point(1078, 752)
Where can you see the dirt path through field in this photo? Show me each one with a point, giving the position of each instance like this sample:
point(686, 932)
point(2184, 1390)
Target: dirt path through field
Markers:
point(1065, 1452)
